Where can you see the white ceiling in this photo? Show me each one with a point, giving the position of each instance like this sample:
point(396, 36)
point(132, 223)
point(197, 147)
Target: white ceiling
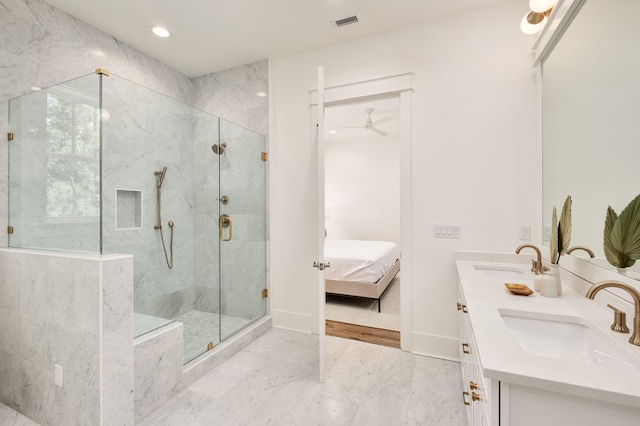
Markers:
point(212, 35)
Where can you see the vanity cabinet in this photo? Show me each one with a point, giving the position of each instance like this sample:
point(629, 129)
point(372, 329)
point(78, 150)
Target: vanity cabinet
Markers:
point(476, 389)
point(525, 399)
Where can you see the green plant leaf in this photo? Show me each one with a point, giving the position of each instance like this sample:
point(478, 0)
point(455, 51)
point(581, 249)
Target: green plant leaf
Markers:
point(553, 242)
point(610, 252)
point(564, 227)
point(625, 234)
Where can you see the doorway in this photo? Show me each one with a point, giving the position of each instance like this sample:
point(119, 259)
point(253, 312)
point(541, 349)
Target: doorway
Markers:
point(362, 219)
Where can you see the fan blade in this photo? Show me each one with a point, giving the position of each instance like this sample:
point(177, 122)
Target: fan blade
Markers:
point(383, 120)
point(380, 132)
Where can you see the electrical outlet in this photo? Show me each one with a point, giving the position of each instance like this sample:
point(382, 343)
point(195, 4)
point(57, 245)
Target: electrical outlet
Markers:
point(547, 233)
point(58, 375)
point(525, 232)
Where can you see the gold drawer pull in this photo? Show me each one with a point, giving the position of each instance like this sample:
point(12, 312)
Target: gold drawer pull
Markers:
point(465, 348)
point(465, 395)
point(476, 397)
point(474, 386)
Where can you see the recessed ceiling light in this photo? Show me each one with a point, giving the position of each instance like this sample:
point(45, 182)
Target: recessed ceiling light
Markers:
point(261, 94)
point(35, 88)
point(333, 131)
point(161, 31)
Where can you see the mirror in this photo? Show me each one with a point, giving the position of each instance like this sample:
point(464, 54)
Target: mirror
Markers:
point(591, 120)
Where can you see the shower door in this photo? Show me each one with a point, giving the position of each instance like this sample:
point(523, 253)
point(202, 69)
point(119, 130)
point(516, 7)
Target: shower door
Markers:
point(241, 227)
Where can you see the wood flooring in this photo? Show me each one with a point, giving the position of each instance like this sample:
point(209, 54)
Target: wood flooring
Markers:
point(377, 336)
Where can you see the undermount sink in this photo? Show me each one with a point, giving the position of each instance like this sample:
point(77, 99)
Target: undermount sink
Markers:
point(505, 273)
point(562, 337)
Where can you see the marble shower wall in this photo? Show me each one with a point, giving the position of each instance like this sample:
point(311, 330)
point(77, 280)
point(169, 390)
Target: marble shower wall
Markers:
point(242, 260)
point(145, 132)
point(43, 46)
point(206, 271)
point(75, 312)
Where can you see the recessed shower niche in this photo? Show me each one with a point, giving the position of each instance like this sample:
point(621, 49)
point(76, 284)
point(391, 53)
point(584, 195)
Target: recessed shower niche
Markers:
point(128, 209)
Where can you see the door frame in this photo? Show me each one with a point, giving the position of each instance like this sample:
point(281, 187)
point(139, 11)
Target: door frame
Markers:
point(400, 86)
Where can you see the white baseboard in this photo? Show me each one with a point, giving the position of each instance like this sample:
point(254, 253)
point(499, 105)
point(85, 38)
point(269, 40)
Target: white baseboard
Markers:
point(435, 346)
point(294, 321)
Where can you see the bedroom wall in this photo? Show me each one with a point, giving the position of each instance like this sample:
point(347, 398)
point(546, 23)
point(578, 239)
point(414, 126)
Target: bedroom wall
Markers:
point(362, 188)
point(473, 157)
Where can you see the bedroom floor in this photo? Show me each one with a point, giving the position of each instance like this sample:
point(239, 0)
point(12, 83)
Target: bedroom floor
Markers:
point(365, 311)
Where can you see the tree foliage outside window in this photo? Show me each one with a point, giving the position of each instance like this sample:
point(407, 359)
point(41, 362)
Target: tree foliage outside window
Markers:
point(73, 165)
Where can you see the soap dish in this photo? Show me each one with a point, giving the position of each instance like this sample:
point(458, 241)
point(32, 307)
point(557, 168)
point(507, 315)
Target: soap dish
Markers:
point(519, 289)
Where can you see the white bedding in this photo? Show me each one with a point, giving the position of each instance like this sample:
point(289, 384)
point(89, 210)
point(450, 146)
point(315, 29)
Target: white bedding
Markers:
point(356, 260)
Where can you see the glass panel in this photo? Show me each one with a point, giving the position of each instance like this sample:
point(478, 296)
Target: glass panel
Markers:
point(100, 164)
point(161, 148)
point(243, 257)
point(54, 167)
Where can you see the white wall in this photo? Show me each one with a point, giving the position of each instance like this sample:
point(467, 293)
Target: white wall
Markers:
point(474, 157)
point(362, 188)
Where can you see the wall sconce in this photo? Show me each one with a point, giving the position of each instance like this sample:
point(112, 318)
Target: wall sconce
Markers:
point(534, 21)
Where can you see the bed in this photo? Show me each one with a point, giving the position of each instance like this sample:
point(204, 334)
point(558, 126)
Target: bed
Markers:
point(360, 268)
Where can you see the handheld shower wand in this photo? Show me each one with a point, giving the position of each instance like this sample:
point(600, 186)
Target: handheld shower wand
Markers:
point(160, 176)
point(159, 179)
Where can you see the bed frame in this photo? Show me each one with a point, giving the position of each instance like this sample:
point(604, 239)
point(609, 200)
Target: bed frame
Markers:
point(365, 290)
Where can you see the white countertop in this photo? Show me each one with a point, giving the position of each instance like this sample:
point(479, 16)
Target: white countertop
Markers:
point(502, 359)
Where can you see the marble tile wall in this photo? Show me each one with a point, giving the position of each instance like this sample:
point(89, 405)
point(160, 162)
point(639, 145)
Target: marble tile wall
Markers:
point(117, 334)
point(158, 368)
point(75, 312)
point(145, 132)
point(242, 178)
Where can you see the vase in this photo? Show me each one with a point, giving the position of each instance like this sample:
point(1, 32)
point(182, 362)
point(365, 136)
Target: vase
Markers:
point(537, 282)
point(554, 270)
point(548, 286)
point(627, 272)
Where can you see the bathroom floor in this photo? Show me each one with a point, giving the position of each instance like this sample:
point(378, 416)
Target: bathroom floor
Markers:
point(9, 417)
point(274, 381)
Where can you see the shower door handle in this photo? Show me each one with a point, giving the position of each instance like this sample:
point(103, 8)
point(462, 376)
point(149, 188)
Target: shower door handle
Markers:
point(225, 222)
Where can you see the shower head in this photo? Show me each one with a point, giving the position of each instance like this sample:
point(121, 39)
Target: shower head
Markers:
point(160, 176)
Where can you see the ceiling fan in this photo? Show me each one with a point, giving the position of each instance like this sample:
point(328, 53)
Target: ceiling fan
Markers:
point(370, 125)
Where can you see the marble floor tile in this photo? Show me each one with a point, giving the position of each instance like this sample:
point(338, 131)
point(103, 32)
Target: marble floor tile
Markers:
point(9, 417)
point(274, 381)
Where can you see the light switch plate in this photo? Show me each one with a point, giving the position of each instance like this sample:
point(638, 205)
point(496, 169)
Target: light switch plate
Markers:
point(446, 231)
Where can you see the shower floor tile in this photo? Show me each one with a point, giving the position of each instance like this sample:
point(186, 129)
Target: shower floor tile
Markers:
point(202, 328)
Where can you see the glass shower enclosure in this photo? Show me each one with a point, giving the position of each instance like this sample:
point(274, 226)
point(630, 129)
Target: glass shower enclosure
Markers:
point(102, 165)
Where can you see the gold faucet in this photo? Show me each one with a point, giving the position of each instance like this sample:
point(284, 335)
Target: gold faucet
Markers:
point(587, 249)
point(536, 265)
point(635, 336)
